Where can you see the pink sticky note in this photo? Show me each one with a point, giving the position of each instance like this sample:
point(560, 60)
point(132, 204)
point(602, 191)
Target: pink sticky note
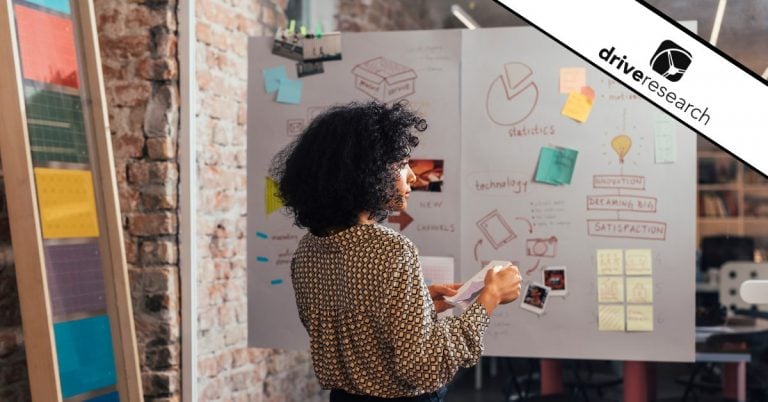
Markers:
point(588, 92)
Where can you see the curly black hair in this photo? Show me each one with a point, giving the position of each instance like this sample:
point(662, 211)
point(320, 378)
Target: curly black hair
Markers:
point(344, 163)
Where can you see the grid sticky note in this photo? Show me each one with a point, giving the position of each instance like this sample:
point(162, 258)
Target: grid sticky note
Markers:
point(84, 351)
point(67, 204)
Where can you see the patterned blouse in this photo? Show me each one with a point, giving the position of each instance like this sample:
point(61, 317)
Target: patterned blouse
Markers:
point(372, 324)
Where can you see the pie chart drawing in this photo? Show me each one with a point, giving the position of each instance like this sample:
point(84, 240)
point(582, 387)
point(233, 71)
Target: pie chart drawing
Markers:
point(512, 96)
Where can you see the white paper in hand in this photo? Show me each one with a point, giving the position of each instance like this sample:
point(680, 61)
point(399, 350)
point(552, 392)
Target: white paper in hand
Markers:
point(469, 291)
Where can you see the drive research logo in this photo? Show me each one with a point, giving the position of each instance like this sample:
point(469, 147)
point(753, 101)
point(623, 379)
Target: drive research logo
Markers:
point(671, 60)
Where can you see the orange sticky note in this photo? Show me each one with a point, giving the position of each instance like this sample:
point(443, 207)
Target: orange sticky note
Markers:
point(588, 92)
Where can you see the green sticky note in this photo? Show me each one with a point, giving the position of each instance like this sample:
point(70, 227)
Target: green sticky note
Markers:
point(272, 78)
point(290, 91)
point(556, 165)
point(292, 26)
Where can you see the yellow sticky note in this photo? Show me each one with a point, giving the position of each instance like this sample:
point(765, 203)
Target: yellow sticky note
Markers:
point(610, 289)
point(572, 79)
point(640, 318)
point(639, 261)
point(610, 262)
point(67, 204)
point(640, 289)
point(610, 317)
point(272, 202)
point(577, 107)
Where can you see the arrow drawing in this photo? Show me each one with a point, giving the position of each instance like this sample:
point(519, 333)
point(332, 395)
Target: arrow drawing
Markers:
point(403, 219)
point(530, 270)
point(530, 227)
point(479, 242)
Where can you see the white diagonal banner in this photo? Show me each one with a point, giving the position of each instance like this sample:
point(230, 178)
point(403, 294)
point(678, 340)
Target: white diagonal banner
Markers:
point(664, 64)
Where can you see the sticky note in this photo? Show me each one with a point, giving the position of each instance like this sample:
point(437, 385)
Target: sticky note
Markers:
point(640, 318)
point(67, 204)
point(638, 261)
point(610, 289)
point(588, 92)
point(84, 352)
point(290, 91)
point(271, 202)
point(610, 317)
point(273, 77)
point(556, 165)
point(577, 107)
point(665, 141)
point(572, 79)
point(609, 262)
point(640, 289)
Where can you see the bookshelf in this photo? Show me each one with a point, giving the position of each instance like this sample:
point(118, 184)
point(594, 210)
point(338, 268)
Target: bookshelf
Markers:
point(732, 198)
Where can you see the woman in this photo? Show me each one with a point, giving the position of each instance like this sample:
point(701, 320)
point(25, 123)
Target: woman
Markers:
point(359, 288)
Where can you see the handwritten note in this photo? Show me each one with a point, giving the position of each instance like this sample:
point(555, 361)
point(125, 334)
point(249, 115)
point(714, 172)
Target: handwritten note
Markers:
point(290, 91)
point(610, 317)
point(272, 201)
point(577, 106)
point(437, 269)
point(67, 203)
point(610, 289)
point(640, 318)
point(272, 78)
point(556, 165)
point(609, 262)
point(572, 79)
point(639, 261)
point(640, 289)
point(665, 140)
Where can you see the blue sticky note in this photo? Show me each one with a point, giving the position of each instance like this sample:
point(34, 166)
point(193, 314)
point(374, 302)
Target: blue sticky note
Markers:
point(272, 78)
point(61, 6)
point(110, 397)
point(262, 259)
point(290, 91)
point(84, 351)
point(276, 281)
point(556, 165)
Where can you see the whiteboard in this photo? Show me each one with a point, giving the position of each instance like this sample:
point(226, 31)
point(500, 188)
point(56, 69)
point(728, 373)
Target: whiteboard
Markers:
point(488, 132)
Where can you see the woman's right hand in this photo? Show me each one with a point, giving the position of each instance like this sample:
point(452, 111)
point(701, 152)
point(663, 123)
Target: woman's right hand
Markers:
point(502, 286)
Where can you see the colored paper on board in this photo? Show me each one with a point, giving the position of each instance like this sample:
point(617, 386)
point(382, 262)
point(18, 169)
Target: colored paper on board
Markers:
point(577, 107)
point(61, 6)
point(588, 92)
point(84, 351)
point(638, 261)
point(639, 289)
point(572, 79)
point(46, 47)
point(610, 289)
point(556, 165)
point(56, 127)
point(610, 317)
point(75, 279)
point(610, 262)
point(665, 141)
point(67, 204)
point(290, 91)
point(272, 201)
point(110, 397)
point(272, 78)
point(640, 318)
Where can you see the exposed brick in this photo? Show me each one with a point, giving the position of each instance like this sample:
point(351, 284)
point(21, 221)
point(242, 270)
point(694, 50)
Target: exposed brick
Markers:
point(161, 148)
point(152, 223)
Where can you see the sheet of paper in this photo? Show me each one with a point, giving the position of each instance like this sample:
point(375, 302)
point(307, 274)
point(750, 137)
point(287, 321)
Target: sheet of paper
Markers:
point(572, 79)
point(665, 140)
point(640, 289)
point(468, 291)
point(610, 289)
point(609, 262)
point(290, 91)
point(640, 318)
point(556, 165)
point(272, 202)
point(272, 78)
point(639, 261)
point(67, 204)
point(577, 106)
point(437, 269)
point(610, 317)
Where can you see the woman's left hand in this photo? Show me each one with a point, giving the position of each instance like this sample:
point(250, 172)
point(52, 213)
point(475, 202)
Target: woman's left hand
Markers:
point(438, 292)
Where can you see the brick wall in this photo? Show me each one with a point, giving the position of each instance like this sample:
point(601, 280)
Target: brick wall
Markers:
point(383, 15)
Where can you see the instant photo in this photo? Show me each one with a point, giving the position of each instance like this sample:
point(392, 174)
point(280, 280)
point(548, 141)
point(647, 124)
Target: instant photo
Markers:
point(429, 174)
point(535, 297)
point(554, 278)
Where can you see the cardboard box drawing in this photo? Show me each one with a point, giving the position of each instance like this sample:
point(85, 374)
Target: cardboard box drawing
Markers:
point(384, 80)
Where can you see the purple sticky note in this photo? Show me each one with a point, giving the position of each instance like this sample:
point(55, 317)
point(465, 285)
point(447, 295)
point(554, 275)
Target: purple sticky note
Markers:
point(75, 278)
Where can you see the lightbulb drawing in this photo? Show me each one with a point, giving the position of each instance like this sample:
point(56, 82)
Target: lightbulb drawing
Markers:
point(621, 144)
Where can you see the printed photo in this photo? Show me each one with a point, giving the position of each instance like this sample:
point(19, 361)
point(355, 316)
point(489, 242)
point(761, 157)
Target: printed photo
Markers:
point(429, 174)
point(554, 278)
point(535, 297)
